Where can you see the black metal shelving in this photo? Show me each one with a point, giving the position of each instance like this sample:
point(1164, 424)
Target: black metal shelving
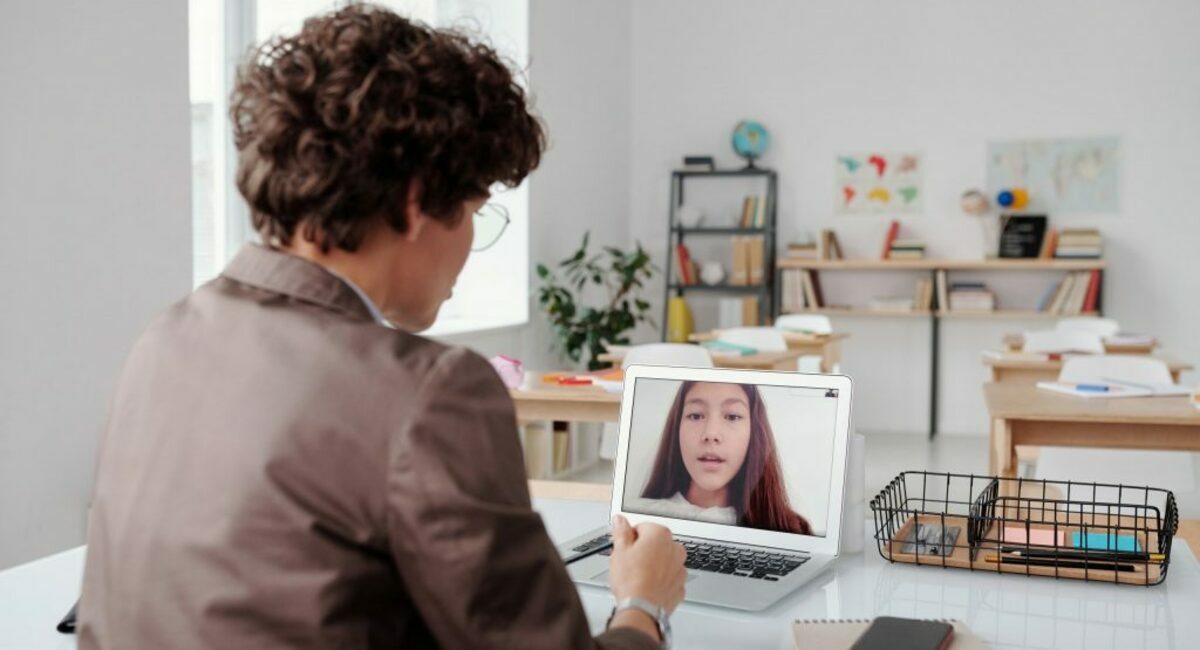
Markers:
point(767, 290)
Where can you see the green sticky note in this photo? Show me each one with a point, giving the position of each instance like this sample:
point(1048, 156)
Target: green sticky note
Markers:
point(1106, 542)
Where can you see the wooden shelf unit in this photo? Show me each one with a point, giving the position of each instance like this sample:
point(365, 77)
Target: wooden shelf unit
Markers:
point(933, 267)
point(943, 265)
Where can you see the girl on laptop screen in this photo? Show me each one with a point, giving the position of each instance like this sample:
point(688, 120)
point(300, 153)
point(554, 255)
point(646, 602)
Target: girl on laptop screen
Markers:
point(716, 462)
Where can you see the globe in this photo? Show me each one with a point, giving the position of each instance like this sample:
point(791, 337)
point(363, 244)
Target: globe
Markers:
point(749, 140)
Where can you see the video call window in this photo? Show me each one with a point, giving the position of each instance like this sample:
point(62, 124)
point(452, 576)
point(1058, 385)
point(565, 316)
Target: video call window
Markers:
point(757, 456)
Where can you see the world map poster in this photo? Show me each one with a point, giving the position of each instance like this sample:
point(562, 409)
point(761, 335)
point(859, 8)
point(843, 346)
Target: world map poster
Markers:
point(878, 183)
point(1061, 176)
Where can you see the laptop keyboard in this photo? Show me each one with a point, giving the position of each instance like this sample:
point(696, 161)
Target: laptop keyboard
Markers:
point(718, 558)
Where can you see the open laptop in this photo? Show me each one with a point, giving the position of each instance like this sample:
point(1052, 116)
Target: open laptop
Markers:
point(746, 468)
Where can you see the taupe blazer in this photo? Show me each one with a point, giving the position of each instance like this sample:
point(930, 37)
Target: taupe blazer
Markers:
point(278, 470)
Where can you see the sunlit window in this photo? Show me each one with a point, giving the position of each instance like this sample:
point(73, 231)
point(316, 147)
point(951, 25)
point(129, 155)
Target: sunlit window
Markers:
point(493, 290)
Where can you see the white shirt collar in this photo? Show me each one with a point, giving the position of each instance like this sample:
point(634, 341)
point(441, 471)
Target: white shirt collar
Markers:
point(375, 313)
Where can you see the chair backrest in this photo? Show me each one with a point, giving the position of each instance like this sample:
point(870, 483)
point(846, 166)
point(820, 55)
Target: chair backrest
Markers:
point(1139, 369)
point(1103, 327)
point(815, 323)
point(680, 355)
point(763, 339)
point(1063, 341)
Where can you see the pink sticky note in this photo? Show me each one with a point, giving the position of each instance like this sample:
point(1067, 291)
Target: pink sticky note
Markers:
point(1039, 536)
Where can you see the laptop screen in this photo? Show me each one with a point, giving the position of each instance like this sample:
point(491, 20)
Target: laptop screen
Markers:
point(750, 455)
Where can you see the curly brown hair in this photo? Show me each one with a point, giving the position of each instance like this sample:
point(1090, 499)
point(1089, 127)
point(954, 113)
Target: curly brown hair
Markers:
point(333, 124)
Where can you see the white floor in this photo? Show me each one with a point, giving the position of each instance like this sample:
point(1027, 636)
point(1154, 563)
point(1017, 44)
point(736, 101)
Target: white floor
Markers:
point(890, 454)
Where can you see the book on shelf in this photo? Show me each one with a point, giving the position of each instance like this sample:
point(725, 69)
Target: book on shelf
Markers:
point(803, 250)
point(1080, 243)
point(737, 312)
point(923, 299)
point(754, 211)
point(698, 164)
point(829, 247)
point(684, 265)
point(756, 251)
point(1076, 293)
point(892, 231)
point(1049, 244)
point(907, 249)
point(740, 271)
point(811, 297)
point(971, 296)
point(943, 293)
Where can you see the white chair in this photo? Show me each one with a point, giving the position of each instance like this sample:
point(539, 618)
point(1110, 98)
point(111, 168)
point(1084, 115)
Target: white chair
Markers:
point(1139, 369)
point(1102, 327)
point(668, 354)
point(683, 355)
point(814, 323)
point(763, 339)
point(1063, 341)
point(1162, 469)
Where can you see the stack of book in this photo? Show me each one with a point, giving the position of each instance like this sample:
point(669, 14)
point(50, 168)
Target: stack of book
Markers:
point(754, 212)
point(748, 260)
point(1077, 293)
point(805, 250)
point(923, 301)
point(971, 296)
point(1079, 243)
point(907, 249)
point(800, 289)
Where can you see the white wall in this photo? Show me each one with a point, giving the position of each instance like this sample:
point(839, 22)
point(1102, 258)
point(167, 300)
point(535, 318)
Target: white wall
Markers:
point(95, 216)
point(579, 76)
point(941, 77)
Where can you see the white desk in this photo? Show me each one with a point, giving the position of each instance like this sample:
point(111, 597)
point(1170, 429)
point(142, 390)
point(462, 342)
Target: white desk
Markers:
point(1005, 611)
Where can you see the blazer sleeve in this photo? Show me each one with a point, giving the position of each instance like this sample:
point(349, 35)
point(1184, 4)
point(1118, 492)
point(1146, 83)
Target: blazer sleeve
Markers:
point(471, 551)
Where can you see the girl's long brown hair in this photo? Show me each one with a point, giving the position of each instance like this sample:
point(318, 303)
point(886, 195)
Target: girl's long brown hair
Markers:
point(765, 503)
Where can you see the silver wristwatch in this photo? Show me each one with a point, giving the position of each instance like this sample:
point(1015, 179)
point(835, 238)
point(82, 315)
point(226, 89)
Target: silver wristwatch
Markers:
point(660, 616)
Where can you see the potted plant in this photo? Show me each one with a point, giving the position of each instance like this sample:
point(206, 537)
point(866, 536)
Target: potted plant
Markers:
point(585, 329)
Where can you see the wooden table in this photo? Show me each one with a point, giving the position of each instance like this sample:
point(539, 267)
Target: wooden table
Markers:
point(785, 360)
point(1031, 371)
point(826, 346)
point(566, 403)
point(1021, 414)
point(1016, 342)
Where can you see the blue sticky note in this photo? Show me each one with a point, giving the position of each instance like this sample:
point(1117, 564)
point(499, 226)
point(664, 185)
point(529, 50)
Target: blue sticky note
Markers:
point(1106, 542)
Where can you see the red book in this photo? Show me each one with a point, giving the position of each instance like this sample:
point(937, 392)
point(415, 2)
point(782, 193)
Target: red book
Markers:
point(892, 233)
point(1093, 292)
point(685, 270)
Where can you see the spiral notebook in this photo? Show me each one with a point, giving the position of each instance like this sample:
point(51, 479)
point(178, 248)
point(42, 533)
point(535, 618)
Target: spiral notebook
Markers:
point(840, 634)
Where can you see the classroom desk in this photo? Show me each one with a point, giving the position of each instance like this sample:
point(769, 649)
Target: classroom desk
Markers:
point(566, 403)
point(1008, 611)
point(1022, 414)
point(785, 360)
point(1015, 342)
point(826, 346)
point(1031, 371)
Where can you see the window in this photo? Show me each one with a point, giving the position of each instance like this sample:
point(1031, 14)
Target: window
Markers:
point(493, 290)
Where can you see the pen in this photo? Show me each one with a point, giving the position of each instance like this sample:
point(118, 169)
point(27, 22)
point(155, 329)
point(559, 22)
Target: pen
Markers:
point(587, 553)
point(1092, 388)
point(1061, 564)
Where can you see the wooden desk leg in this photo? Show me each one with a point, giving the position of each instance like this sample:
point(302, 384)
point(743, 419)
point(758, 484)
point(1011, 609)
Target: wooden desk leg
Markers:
point(1002, 454)
point(831, 355)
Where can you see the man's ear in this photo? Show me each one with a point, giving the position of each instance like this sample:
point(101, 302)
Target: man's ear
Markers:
point(414, 218)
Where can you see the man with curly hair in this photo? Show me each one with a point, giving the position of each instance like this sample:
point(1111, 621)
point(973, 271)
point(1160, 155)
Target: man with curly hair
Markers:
point(286, 464)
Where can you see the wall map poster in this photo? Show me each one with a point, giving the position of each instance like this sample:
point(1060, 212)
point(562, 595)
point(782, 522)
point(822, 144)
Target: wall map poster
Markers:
point(1061, 176)
point(878, 183)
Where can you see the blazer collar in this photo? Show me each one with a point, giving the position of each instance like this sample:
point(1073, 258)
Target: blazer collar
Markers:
point(287, 274)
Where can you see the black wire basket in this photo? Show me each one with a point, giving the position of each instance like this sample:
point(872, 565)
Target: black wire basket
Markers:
point(1061, 529)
